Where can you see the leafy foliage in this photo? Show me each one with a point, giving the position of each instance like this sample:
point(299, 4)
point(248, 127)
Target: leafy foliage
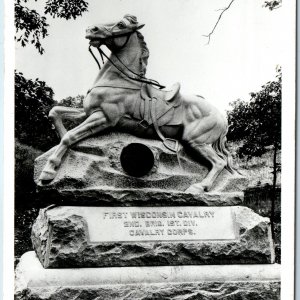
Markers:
point(257, 123)
point(24, 184)
point(66, 9)
point(25, 196)
point(31, 27)
point(272, 4)
point(33, 100)
point(76, 102)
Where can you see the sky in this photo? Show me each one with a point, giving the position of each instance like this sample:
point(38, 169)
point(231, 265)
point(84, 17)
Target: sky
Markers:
point(241, 56)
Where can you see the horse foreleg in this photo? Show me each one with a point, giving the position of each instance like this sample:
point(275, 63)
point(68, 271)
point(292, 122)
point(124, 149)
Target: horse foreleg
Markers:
point(217, 163)
point(59, 113)
point(93, 124)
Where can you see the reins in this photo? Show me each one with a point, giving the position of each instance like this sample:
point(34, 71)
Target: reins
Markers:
point(90, 50)
point(141, 77)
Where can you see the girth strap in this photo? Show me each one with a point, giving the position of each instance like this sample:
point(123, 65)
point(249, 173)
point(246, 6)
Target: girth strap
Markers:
point(170, 144)
point(147, 109)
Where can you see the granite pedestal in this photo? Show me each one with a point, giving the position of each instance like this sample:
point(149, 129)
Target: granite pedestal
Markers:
point(109, 235)
point(232, 282)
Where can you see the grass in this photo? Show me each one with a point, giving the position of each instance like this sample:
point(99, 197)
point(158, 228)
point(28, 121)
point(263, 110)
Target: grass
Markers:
point(259, 170)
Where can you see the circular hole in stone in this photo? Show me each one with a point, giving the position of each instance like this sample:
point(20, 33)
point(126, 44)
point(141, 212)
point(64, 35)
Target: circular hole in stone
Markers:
point(137, 159)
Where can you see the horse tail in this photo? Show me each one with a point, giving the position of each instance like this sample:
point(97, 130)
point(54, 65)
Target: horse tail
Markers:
point(220, 147)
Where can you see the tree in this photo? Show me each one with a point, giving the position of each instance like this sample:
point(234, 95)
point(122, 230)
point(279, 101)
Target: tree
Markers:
point(33, 100)
point(32, 27)
point(272, 4)
point(258, 124)
point(76, 102)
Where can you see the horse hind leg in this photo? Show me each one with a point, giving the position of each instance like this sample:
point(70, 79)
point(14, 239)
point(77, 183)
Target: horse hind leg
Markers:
point(217, 163)
point(203, 135)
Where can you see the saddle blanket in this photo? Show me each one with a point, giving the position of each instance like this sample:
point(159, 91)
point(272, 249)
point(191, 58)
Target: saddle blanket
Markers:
point(165, 104)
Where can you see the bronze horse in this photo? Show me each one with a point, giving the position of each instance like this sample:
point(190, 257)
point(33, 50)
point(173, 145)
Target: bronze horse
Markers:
point(123, 98)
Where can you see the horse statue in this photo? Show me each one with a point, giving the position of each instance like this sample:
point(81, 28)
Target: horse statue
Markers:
point(122, 97)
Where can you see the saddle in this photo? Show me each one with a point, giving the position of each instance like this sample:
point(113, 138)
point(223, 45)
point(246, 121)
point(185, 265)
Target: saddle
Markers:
point(167, 95)
point(159, 106)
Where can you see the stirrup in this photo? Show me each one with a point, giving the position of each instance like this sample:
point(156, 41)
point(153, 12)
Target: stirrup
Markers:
point(171, 144)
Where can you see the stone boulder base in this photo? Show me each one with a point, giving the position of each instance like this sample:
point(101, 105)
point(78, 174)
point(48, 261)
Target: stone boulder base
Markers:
point(61, 239)
point(95, 164)
point(232, 282)
point(104, 196)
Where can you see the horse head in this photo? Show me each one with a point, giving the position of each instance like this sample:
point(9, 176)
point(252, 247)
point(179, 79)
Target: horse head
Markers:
point(126, 43)
point(113, 34)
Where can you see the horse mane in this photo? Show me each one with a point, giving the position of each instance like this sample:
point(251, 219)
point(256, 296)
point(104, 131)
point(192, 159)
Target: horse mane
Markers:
point(145, 53)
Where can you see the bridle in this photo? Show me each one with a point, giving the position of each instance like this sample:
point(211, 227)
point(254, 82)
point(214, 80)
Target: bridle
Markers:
point(140, 78)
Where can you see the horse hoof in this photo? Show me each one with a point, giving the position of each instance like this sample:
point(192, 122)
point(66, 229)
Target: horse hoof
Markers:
point(47, 175)
point(194, 189)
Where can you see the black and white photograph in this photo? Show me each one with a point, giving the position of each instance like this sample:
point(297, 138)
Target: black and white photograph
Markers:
point(150, 149)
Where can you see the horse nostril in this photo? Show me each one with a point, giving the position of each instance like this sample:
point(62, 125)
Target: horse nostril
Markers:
point(95, 29)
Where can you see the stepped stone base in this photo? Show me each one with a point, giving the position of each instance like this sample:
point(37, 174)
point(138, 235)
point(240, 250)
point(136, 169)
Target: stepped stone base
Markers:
point(233, 282)
point(66, 237)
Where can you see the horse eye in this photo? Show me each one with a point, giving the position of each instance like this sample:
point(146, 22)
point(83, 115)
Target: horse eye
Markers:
point(121, 25)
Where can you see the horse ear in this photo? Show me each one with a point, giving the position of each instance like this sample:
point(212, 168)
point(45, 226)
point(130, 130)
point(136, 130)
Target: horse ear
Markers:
point(132, 19)
point(140, 26)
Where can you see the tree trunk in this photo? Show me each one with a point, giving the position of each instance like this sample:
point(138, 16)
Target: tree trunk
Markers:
point(273, 193)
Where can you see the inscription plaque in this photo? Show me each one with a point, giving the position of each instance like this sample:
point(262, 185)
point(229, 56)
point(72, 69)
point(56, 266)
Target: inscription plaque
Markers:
point(126, 224)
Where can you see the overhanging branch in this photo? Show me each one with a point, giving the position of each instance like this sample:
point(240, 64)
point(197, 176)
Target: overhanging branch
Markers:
point(219, 18)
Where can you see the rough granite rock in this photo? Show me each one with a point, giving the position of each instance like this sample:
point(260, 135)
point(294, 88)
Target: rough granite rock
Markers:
point(95, 162)
point(172, 291)
point(108, 196)
point(232, 282)
point(60, 238)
